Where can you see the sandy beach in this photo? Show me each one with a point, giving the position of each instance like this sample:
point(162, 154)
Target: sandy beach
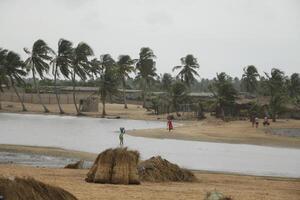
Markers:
point(213, 130)
point(236, 186)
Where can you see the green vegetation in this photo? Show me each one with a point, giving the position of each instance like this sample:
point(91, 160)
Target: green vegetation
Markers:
point(76, 66)
point(37, 62)
point(189, 65)
point(224, 94)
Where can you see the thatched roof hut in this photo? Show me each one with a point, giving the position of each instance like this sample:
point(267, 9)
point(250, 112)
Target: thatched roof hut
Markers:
point(29, 188)
point(116, 166)
point(157, 169)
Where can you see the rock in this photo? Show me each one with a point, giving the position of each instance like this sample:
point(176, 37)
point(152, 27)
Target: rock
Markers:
point(215, 195)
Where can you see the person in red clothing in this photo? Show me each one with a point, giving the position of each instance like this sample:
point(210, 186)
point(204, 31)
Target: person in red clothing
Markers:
point(170, 125)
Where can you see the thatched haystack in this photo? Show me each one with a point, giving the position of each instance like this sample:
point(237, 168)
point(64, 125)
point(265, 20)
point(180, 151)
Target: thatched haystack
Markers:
point(28, 188)
point(76, 165)
point(116, 166)
point(157, 169)
point(215, 195)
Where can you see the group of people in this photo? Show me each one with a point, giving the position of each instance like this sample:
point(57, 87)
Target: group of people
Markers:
point(255, 121)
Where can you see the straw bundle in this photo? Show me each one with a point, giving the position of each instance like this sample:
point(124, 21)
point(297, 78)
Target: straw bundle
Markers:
point(117, 166)
point(76, 165)
point(28, 188)
point(105, 164)
point(157, 169)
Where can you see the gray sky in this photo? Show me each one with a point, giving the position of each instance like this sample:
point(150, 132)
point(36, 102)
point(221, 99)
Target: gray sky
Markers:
point(224, 35)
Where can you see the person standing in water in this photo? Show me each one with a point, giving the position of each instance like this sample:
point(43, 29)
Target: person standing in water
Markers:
point(121, 136)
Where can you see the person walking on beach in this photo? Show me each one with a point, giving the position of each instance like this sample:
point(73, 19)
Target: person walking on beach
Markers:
point(256, 122)
point(170, 124)
point(121, 136)
point(266, 121)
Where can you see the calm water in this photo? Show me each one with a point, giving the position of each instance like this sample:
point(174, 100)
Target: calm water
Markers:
point(95, 135)
point(37, 160)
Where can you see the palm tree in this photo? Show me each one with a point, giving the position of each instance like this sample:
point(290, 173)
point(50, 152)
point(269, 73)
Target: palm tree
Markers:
point(146, 69)
point(15, 70)
point(37, 63)
point(108, 79)
point(177, 94)
point(276, 86)
point(61, 64)
point(125, 66)
point(3, 77)
point(294, 88)
point(189, 65)
point(224, 92)
point(80, 66)
point(249, 78)
point(166, 81)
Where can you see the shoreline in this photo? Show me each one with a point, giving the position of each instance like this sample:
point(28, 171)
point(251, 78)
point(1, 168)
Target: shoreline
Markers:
point(72, 154)
point(207, 130)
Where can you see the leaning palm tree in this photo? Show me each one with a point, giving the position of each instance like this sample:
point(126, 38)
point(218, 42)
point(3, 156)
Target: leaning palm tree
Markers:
point(249, 78)
point(80, 66)
point(15, 71)
point(189, 65)
point(37, 63)
point(4, 82)
point(146, 69)
point(108, 80)
point(61, 64)
point(125, 66)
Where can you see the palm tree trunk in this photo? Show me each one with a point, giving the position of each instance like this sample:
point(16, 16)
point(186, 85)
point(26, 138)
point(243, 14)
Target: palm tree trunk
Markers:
point(124, 94)
point(38, 92)
point(17, 93)
point(222, 113)
point(144, 95)
point(74, 95)
point(0, 100)
point(103, 106)
point(274, 117)
point(56, 93)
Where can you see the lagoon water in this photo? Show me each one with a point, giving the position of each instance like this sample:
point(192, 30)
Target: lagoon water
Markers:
point(95, 135)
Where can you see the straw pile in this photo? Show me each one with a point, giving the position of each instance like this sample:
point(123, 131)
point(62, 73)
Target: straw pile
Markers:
point(28, 188)
point(157, 169)
point(76, 165)
point(116, 166)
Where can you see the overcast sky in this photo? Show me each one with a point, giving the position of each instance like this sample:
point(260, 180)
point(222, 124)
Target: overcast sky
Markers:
point(224, 35)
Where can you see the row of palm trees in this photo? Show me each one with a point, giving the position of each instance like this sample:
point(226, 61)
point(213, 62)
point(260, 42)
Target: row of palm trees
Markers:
point(75, 63)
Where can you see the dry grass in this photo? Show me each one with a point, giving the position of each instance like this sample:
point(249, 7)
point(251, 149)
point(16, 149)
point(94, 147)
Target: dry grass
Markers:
point(29, 188)
point(238, 187)
point(157, 169)
point(116, 166)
